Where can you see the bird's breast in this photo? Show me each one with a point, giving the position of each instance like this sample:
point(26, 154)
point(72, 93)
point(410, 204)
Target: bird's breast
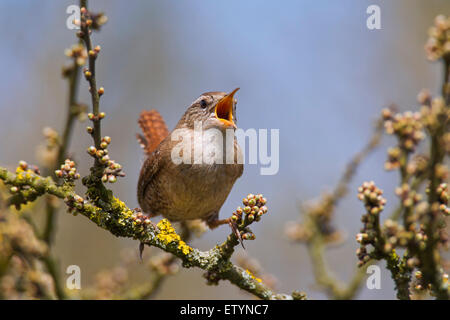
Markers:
point(194, 177)
point(200, 187)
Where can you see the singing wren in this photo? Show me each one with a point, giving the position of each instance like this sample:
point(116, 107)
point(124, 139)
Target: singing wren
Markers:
point(196, 190)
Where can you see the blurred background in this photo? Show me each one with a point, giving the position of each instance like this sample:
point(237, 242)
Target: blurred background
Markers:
point(311, 69)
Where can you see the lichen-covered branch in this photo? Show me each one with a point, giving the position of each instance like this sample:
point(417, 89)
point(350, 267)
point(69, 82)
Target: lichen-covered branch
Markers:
point(372, 234)
point(410, 241)
point(121, 221)
point(109, 213)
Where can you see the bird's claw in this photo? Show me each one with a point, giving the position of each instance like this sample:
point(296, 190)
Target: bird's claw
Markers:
point(141, 250)
point(236, 232)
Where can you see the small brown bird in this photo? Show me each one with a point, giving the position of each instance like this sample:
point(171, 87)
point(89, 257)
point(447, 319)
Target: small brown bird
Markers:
point(195, 190)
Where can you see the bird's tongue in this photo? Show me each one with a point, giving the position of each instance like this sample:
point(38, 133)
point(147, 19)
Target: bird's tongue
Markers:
point(224, 109)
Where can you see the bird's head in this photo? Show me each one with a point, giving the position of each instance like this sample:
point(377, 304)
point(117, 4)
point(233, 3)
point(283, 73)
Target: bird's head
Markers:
point(214, 109)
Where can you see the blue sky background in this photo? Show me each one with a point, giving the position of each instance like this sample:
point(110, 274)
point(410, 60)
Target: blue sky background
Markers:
point(309, 68)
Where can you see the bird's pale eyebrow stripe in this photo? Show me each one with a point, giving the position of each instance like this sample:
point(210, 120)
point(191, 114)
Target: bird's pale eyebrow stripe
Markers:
point(213, 93)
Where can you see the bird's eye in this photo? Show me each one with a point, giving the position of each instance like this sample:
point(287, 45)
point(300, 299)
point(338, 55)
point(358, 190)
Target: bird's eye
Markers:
point(203, 103)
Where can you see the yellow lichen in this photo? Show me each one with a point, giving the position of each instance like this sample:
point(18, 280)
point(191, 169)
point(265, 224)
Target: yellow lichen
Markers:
point(119, 205)
point(23, 175)
point(252, 276)
point(19, 170)
point(168, 235)
point(184, 247)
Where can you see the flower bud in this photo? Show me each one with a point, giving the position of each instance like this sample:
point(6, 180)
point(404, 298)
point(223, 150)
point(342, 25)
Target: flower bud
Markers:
point(107, 139)
point(23, 165)
point(92, 150)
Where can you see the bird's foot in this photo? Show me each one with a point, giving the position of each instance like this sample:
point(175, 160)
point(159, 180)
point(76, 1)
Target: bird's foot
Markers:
point(141, 250)
point(214, 223)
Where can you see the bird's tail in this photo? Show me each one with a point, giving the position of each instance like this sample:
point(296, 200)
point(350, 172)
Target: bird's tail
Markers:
point(154, 130)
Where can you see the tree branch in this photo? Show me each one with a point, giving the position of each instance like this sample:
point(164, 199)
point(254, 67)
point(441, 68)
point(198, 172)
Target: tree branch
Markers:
point(121, 221)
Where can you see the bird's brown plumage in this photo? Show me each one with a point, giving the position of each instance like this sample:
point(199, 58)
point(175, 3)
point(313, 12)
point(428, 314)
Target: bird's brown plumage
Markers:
point(154, 130)
point(183, 191)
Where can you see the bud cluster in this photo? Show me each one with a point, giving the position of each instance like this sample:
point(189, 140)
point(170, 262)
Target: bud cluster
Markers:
point(90, 21)
point(391, 235)
point(406, 126)
point(25, 173)
point(419, 285)
point(409, 197)
point(394, 158)
point(112, 169)
point(374, 203)
point(74, 202)
point(68, 171)
point(418, 165)
point(51, 136)
point(414, 211)
point(438, 44)
point(442, 173)
point(443, 197)
point(139, 218)
point(395, 235)
point(47, 152)
point(254, 208)
point(318, 221)
point(434, 114)
point(78, 53)
point(372, 197)
point(297, 231)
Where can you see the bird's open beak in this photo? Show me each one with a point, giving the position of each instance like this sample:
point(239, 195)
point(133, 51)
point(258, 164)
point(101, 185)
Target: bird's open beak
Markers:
point(224, 109)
